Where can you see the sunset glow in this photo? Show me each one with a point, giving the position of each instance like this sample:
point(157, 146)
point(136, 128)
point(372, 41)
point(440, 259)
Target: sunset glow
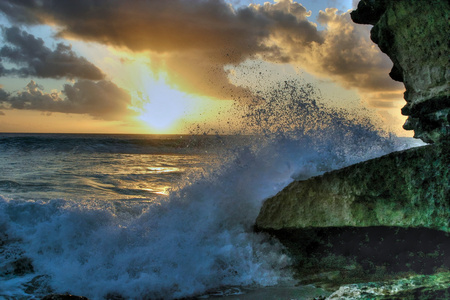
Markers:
point(180, 149)
point(167, 73)
point(162, 106)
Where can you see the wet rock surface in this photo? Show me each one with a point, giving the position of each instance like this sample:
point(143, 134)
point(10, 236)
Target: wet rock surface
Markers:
point(415, 36)
point(410, 188)
point(432, 287)
point(382, 226)
point(379, 220)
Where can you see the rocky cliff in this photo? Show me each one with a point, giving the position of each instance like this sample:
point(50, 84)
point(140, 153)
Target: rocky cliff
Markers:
point(387, 217)
point(415, 35)
point(410, 188)
point(382, 219)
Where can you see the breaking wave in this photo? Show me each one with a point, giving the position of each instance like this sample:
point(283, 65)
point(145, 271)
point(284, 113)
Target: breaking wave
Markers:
point(199, 237)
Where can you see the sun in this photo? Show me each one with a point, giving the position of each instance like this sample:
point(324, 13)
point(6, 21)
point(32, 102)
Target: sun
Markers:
point(161, 108)
point(164, 107)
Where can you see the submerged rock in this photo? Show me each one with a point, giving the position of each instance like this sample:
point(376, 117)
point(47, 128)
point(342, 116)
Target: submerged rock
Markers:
point(410, 188)
point(415, 36)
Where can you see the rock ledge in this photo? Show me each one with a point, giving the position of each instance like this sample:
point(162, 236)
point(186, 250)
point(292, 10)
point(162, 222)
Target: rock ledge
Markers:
point(409, 188)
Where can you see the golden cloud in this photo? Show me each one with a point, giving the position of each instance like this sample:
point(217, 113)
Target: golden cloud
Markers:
point(194, 40)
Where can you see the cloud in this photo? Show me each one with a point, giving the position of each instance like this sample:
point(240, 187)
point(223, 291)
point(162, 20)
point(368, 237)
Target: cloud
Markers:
point(194, 40)
point(349, 56)
point(101, 100)
point(385, 100)
point(36, 59)
point(344, 53)
point(3, 94)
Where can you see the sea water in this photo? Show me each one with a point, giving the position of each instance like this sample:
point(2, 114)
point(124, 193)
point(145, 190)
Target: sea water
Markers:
point(162, 217)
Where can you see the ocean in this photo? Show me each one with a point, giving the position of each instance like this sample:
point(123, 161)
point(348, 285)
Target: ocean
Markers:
point(158, 216)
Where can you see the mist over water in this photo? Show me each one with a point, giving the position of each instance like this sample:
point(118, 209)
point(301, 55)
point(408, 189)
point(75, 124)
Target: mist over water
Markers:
point(194, 238)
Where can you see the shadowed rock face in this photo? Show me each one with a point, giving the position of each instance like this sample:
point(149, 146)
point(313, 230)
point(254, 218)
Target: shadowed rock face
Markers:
point(415, 35)
point(332, 256)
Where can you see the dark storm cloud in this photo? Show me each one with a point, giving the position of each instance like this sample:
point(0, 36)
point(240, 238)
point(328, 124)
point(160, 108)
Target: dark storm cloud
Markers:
point(20, 11)
point(3, 97)
point(3, 94)
point(102, 99)
point(33, 58)
point(195, 39)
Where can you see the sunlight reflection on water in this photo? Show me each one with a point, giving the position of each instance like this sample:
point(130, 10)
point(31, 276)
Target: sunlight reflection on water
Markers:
point(95, 176)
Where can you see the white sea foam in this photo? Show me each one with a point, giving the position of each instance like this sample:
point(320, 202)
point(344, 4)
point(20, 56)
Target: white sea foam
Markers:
point(199, 237)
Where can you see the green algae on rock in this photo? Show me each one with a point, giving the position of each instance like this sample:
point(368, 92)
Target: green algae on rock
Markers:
point(415, 36)
point(390, 216)
point(436, 286)
point(410, 188)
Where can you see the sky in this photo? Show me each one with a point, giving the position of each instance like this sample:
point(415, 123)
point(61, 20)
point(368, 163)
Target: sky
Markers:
point(151, 66)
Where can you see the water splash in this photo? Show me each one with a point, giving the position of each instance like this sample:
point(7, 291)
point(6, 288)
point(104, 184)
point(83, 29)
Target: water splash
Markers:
point(199, 237)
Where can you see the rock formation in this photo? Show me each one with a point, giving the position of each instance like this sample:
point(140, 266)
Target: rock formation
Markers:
point(410, 188)
point(388, 217)
point(415, 35)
